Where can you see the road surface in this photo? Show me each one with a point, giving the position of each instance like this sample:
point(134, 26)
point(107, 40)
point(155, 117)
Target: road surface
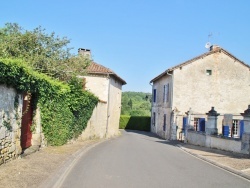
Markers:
point(141, 160)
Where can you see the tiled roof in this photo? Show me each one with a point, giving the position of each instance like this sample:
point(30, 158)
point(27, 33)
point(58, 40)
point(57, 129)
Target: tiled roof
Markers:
point(95, 68)
point(219, 49)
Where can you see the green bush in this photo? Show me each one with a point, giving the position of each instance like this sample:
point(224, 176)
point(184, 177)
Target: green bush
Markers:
point(65, 108)
point(141, 123)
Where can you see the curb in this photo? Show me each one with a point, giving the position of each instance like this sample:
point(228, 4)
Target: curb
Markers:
point(57, 178)
point(237, 172)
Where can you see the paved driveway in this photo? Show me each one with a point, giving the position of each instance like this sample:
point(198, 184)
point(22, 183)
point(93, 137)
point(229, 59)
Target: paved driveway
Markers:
point(139, 159)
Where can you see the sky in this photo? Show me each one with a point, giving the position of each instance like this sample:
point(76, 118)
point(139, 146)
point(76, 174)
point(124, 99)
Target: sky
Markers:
point(139, 39)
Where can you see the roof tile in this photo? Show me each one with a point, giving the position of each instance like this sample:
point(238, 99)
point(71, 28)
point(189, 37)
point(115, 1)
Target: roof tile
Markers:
point(95, 68)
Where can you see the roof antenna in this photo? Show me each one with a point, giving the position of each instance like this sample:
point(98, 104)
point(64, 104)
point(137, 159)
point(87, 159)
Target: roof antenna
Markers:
point(208, 44)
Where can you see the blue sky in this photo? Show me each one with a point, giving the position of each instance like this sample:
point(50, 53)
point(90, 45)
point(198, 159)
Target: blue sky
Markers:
point(139, 39)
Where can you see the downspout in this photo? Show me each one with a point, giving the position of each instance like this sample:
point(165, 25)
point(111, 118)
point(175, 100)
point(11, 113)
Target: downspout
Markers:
point(107, 123)
point(171, 105)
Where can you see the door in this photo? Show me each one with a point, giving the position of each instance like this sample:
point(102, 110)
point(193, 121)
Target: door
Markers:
point(27, 113)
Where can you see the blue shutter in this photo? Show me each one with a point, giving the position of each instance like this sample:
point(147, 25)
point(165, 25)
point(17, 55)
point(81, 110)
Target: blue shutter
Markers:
point(154, 95)
point(164, 94)
point(164, 122)
point(184, 124)
point(241, 128)
point(202, 124)
point(225, 131)
point(167, 93)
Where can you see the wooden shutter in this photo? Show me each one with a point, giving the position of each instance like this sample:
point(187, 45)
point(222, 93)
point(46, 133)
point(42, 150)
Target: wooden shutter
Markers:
point(184, 124)
point(154, 95)
point(202, 124)
point(164, 93)
point(167, 92)
point(164, 122)
point(241, 128)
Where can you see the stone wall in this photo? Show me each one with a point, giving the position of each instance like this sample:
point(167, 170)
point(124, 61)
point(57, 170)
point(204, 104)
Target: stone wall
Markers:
point(10, 123)
point(96, 127)
point(104, 121)
point(114, 107)
point(210, 141)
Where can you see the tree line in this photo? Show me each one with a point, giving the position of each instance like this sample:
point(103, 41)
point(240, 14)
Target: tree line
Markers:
point(136, 103)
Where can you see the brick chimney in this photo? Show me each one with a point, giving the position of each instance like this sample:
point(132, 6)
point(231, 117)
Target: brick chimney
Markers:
point(214, 47)
point(84, 52)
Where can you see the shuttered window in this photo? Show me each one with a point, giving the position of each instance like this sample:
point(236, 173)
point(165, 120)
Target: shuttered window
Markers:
point(154, 95)
point(164, 122)
point(166, 93)
point(153, 120)
point(199, 124)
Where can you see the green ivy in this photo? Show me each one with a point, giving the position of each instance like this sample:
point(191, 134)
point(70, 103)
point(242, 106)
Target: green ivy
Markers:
point(65, 108)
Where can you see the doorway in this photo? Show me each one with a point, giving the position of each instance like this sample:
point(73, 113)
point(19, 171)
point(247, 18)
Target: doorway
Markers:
point(27, 114)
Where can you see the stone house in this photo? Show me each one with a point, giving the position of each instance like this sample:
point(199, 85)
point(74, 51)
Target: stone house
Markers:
point(107, 86)
point(216, 78)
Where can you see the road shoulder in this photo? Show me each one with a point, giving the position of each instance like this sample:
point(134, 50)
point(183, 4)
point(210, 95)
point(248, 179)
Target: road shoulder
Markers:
point(236, 163)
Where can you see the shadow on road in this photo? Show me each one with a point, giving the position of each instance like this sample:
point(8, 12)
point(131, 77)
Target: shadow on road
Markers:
point(145, 133)
point(209, 151)
point(153, 135)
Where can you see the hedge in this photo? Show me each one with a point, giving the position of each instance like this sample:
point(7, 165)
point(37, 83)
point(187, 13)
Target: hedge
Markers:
point(141, 123)
point(65, 107)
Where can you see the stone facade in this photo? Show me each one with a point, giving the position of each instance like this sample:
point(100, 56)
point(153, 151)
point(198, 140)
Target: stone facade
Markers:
point(10, 124)
point(96, 127)
point(215, 78)
point(104, 121)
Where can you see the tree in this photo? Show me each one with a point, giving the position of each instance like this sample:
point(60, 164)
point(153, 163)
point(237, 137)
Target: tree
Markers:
point(136, 103)
point(46, 53)
point(130, 103)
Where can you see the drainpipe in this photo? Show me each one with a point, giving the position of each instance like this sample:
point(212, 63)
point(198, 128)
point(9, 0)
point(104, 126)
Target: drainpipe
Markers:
point(171, 105)
point(107, 123)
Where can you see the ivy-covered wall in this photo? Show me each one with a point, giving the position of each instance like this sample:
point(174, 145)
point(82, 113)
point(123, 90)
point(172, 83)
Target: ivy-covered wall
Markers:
point(65, 108)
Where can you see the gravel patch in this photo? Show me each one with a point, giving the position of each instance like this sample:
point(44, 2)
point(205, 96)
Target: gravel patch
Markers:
point(31, 170)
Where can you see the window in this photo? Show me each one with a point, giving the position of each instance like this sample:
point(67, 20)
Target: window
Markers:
point(196, 122)
point(208, 72)
point(153, 120)
point(199, 124)
point(164, 122)
point(154, 95)
point(235, 128)
point(165, 93)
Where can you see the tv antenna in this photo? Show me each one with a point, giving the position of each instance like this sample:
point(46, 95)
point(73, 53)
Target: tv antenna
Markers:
point(208, 44)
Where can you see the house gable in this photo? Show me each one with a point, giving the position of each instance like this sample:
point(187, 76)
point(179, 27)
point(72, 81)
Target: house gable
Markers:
point(194, 60)
point(99, 70)
point(216, 78)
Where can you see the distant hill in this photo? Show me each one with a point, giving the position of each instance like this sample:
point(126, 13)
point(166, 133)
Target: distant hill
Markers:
point(136, 103)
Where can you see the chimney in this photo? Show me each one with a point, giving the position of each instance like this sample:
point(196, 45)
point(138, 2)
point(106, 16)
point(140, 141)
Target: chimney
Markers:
point(214, 47)
point(84, 52)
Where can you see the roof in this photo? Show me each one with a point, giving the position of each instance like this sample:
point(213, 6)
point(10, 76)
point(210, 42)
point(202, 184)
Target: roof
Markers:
point(217, 49)
point(95, 68)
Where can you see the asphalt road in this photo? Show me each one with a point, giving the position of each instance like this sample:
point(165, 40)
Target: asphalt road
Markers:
point(139, 159)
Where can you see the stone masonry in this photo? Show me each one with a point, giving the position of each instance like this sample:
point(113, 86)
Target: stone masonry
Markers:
point(10, 124)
